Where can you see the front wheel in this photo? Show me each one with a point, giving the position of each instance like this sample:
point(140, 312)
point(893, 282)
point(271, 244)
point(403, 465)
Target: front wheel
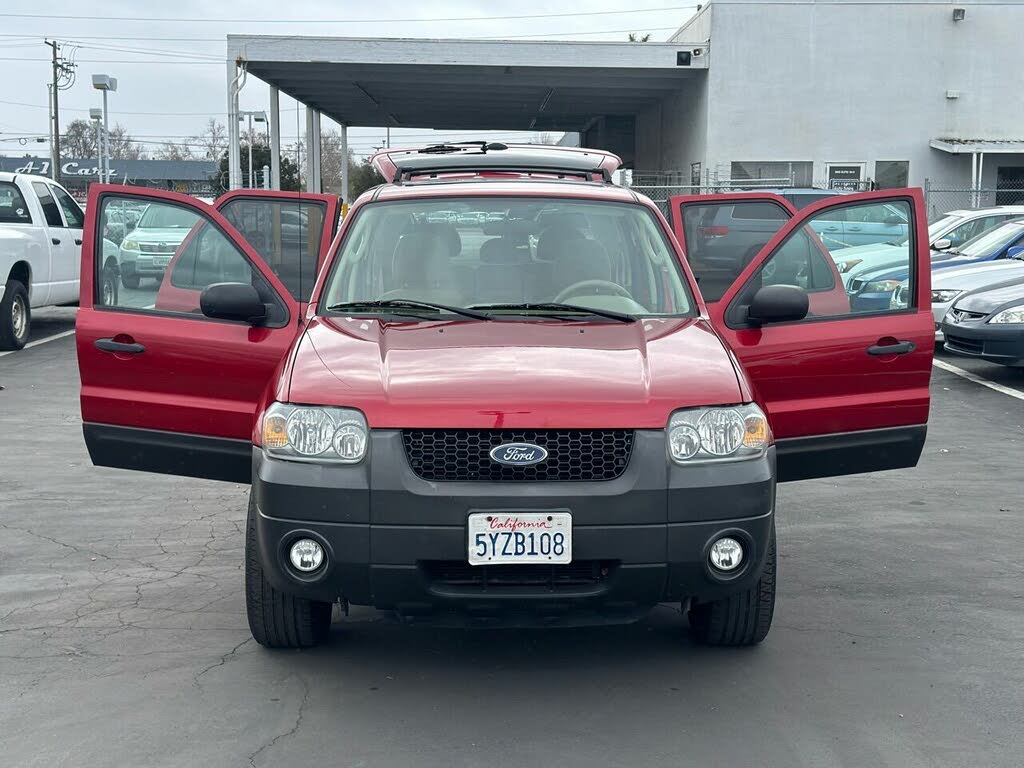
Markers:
point(130, 280)
point(740, 619)
point(277, 619)
point(15, 316)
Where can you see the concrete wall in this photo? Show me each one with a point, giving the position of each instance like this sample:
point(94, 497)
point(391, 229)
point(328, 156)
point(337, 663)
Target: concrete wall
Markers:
point(841, 81)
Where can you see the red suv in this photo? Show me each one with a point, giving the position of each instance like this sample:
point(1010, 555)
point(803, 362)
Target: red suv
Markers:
point(497, 395)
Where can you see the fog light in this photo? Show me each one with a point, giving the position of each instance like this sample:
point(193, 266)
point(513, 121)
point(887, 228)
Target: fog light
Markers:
point(306, 555)
point(726, 554)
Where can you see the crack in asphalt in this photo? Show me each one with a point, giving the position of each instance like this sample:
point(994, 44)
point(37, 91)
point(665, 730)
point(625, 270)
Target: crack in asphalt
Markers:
point(291, 731)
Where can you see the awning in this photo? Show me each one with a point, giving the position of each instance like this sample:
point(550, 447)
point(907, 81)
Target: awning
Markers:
point(975, 146)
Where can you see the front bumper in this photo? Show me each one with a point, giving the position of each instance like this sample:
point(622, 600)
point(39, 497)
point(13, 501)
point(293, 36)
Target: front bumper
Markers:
point(146, 265)
point(997, 343)
point(396, 541)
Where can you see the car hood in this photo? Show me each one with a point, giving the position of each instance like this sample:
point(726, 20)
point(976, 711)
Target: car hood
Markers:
point(168, 235)
point(509, 373)
point(994, 297)
point(978, 275)
point(870, 250)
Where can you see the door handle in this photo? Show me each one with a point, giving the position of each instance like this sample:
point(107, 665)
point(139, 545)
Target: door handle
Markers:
point(78, 241)
point(55, 240)
point(831, 229)
point(854, 229)
point(122, 347)
point(899, 348)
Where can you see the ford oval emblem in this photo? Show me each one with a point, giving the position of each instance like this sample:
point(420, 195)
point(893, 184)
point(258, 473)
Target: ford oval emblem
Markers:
point(518, 454)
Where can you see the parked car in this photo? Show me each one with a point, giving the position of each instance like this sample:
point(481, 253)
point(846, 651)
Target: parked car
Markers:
point(944, 236)
point(491, 429)
point(149, 245)
point(798, 197)
point(950, 284)
point(40, 251)
point(988, 324)
point(873, 288)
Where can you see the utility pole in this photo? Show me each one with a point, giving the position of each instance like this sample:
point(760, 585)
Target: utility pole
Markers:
point(63, 78)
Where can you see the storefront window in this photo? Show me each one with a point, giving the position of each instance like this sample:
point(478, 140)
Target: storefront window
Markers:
point(892, 174)
point(780, 173)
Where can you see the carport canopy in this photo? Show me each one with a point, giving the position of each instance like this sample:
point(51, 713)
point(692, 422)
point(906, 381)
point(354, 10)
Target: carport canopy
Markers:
point(595, 88)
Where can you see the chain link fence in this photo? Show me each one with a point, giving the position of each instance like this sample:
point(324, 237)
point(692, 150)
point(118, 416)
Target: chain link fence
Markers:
point(941, 197)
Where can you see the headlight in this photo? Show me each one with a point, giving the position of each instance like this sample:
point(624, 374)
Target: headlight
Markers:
point(130, 245)
point(1011, 315)
point(943, 297)
point(881, 286)
point(846, 265)
point(707, 434)
point(314, 433)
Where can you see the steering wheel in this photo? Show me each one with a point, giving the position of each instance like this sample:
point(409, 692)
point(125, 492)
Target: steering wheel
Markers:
point(592, 288)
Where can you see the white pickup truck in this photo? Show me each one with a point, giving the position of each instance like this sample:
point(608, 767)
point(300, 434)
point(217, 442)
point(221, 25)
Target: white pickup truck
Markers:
point(40, 251)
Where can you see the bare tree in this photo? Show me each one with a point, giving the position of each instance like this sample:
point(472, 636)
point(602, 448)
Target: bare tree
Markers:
point(123, 146)
point(212, 141)
point(79, 140)
point(172, 151)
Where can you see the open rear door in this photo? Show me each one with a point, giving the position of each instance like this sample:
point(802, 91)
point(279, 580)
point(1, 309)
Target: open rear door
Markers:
point(291, 231)
point(166, 388)
point(722, 233)
point(846, 391)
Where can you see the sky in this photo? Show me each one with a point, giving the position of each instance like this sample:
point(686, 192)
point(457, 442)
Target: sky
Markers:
point(169, 58)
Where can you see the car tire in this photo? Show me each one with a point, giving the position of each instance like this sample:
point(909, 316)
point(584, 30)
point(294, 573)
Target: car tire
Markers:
point(130, 281)
point(740, 619)
point(108, 287)
point(277, 619)
point(15, 316)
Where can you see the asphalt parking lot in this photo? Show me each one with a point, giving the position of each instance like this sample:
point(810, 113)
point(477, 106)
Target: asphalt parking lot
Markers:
point(897, 641)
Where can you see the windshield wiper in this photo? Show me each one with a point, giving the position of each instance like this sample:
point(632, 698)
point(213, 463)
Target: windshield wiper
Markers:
point(387, 304)
point(553, 309)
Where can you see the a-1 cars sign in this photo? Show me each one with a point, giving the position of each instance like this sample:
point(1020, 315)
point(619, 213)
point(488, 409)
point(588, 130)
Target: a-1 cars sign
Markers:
point(70, 168)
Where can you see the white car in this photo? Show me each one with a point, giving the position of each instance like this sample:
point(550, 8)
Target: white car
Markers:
point(952, 230)
point(40, 251)
point(949, 284)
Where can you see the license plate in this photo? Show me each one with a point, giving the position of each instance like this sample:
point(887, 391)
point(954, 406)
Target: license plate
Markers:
point(520, 537)
point(161, 261)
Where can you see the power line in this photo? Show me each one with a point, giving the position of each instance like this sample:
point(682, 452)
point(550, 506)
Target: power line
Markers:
point(321, 21)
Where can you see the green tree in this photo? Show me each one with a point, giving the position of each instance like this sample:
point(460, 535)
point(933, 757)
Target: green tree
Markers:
point(260, 157)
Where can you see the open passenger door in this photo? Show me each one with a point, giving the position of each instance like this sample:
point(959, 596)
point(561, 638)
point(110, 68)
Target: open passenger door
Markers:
point(846, 391)
point(167, 385)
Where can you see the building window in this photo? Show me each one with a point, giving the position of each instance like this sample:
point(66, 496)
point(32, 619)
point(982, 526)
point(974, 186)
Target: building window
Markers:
point(775, 173)
point(892, 174)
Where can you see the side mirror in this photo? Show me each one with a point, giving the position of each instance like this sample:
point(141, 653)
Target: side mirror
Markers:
point(233, 301)
point(1017, 252)
point(943, 244)
point(777, 304)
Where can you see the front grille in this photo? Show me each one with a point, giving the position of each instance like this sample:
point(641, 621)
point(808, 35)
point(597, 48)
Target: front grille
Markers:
point(966, 345)
point(161, 248)
point(459, 455)
point(458, 573)
point(961, 315)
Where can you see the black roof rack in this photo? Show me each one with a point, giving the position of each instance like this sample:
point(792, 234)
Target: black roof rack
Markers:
point(402, 165)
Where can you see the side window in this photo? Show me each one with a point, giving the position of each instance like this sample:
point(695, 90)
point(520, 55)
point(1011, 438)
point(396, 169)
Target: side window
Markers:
point(166, 260)
point(285, 233)
point(13, 209)
point(722, 238)
point(973, 228)
point(72, 213)
point(50, 209)
point(804, 261)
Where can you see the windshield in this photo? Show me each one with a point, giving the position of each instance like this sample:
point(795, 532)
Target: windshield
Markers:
point(167, 217)
point(483, 252)
point(992, 240)
point(940, 224)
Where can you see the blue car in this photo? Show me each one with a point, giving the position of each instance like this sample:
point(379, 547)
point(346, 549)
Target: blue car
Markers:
point(871, 290)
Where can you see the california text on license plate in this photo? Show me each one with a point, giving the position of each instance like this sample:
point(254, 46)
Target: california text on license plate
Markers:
point(520, 537)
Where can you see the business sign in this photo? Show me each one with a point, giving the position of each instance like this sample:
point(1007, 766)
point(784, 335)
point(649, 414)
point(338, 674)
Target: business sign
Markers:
point(845, 177)
point(41, 167)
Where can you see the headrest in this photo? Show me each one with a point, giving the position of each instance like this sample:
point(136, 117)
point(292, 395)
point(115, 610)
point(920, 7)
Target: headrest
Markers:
point(447, 234)
point(582, 259)
point(417, 257)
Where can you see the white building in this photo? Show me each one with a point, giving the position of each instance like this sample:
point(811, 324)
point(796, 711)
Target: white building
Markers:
point(842, 92)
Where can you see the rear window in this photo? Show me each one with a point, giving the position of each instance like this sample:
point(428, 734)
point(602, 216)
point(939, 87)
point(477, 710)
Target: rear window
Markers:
point(12, 205)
